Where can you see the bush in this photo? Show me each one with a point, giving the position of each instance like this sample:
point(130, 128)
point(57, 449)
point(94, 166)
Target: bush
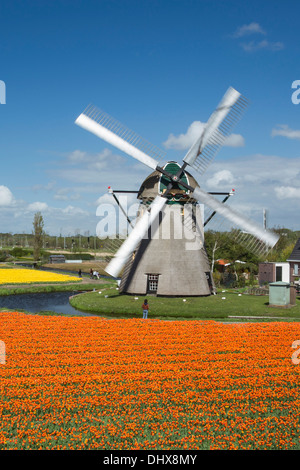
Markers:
point(4, 256)
point(217, 276)
point(241, 282)
point(18, 252)
point(83, 256)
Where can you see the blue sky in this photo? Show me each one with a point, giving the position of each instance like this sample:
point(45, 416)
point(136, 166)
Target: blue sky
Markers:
point(158, 67)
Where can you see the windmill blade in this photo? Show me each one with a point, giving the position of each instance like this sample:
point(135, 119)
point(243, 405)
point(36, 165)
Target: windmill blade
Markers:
point(135, 237)
point(265, 238)
point(113, 132)
point(217, 129)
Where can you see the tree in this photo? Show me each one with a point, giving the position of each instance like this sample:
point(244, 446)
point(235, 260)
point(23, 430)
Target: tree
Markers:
point(38, 232)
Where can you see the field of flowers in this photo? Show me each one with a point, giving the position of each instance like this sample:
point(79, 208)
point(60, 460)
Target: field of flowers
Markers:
point(32, 276)
point(92, 383)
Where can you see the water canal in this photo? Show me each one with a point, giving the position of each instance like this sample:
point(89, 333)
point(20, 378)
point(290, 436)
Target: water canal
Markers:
point(57, 302)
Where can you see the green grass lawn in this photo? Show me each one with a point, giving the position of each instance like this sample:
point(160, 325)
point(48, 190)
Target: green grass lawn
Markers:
point(236, 306)
point(70, 286)
point(215, 307)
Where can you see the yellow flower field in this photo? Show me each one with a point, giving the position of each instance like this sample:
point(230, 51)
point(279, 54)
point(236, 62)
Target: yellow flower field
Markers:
point(32, 276)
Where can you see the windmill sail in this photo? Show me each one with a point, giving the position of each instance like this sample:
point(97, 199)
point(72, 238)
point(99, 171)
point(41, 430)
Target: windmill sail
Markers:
point(107, 128)
point(135, 237)
point(254, 236)
point(217, 129)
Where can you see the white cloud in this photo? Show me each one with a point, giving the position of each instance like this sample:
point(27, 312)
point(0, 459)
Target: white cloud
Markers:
point(268, 45)
point(17, 215)
point(287, 192)
point(94, 170)
point(37, 207)
point(44, 187)
point(234, 140)
point(261, 182)
point(185, 141)
point(267, 171)
point(66, 194)
point(77, 156)
point(246, 29)
point(71, 210)
point(6, 197)
point(220, 178)
point(93, 162)
point(285, 131)
point(254, 45)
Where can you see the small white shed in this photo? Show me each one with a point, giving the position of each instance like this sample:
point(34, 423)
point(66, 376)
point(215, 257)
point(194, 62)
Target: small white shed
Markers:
point(273, 272)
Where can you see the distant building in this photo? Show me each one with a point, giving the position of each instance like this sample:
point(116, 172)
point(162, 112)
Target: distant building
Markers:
point(229, 275)
point(294, 262)
point(273, 272)
point(57, 259)
point(221, 265)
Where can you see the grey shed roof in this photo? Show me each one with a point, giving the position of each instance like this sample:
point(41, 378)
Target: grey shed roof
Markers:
point(295, 255)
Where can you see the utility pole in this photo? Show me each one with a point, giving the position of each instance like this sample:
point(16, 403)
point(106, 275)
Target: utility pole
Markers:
point(265, 219)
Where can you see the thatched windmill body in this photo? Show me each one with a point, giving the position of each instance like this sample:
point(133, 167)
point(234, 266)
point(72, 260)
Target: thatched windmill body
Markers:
point(171, 259)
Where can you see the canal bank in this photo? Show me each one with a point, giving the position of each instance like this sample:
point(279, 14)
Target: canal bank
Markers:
point(56, 302)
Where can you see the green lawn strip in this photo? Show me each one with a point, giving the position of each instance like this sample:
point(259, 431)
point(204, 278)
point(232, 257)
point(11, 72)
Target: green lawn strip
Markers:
point(47, 313)
point(53, 287)
point(34, 283)
point(111, 303)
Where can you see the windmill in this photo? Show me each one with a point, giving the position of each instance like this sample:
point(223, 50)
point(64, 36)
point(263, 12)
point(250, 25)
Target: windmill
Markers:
point(174, 264)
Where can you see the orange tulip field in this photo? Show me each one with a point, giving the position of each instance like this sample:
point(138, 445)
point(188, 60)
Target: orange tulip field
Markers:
point(94, 383)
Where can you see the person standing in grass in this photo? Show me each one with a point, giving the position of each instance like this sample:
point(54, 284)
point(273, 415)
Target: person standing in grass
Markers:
point(145, 308)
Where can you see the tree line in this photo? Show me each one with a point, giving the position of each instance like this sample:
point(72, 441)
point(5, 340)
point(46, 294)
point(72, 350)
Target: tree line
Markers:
point(219, 245)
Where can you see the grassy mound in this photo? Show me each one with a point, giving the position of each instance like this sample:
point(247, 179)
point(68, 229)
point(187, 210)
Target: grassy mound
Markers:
point(225, 305)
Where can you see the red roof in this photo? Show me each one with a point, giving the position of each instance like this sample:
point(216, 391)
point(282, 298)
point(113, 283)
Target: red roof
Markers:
point(223, 262)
